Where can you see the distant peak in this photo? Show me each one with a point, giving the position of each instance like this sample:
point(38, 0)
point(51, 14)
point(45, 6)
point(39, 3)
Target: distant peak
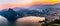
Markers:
point(10, 9)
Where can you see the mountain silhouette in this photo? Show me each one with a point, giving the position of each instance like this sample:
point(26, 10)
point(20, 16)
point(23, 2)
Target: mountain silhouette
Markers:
point(34, 10)
point(10, 14)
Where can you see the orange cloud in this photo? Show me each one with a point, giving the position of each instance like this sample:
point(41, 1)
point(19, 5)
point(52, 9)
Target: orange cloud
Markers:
point(27, 4)
point(13, 5)
point(46, 1)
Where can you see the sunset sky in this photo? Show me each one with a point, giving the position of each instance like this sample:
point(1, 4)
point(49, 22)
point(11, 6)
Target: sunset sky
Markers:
point(24, 3)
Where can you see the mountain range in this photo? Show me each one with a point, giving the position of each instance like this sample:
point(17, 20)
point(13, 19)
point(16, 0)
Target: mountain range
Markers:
point(35, 10)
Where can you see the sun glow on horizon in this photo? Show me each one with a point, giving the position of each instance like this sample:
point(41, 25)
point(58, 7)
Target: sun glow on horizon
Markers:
point(24, 3)
point(46, 1)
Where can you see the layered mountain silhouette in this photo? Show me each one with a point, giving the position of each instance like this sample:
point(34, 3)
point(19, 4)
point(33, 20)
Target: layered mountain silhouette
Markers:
point(29, 12)
point(10, 14)
point(35, 10)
